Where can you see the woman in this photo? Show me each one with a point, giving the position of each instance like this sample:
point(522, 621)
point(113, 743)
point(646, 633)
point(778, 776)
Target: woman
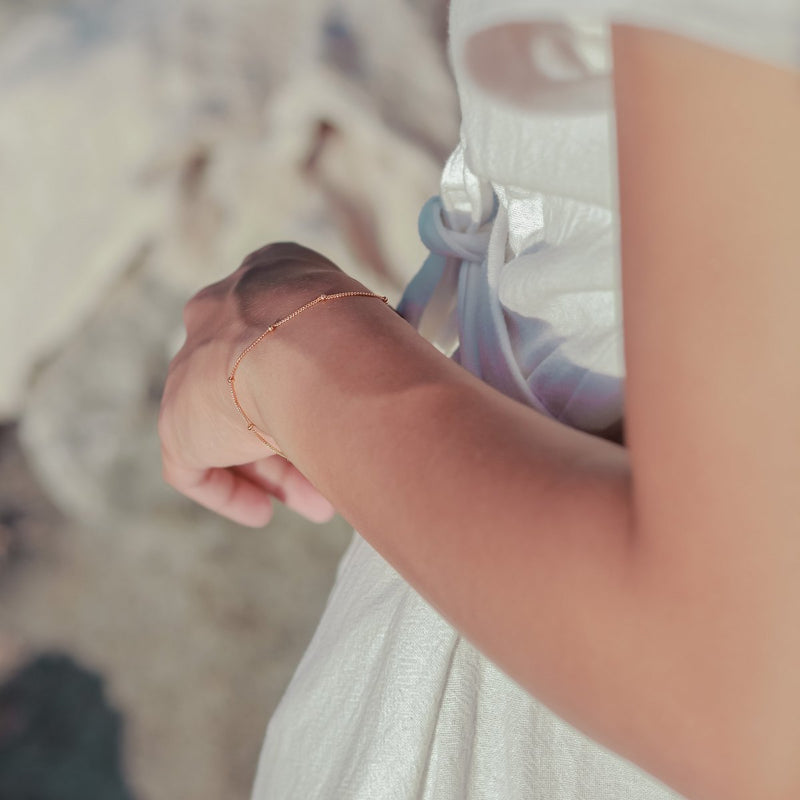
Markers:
point(645, 595)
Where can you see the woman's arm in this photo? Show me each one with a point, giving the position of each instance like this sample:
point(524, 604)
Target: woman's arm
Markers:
point(709, 164)
point(653, 608)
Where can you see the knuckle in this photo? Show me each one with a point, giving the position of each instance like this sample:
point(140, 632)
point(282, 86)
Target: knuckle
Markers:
point(286, 251)
point(191, 309)
point(198, 304)
point(268, 252)
point(188, 313)
point(210, 291)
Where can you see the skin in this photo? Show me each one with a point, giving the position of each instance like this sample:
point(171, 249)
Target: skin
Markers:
point(647, 594)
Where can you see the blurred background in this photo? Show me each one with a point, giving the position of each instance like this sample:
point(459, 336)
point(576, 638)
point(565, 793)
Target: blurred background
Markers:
point(146, 146)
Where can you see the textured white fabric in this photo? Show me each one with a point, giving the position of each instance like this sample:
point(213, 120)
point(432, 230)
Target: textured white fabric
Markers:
point(389, 702)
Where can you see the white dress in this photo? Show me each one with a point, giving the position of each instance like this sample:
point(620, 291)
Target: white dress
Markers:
point(389, 702)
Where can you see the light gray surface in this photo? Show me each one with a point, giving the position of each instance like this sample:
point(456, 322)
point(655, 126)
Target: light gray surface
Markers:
point(195, 624)
point(148, 146)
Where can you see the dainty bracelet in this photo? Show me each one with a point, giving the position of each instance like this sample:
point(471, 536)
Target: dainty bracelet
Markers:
point(323, 298)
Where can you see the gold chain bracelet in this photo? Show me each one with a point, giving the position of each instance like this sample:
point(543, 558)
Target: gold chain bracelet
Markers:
point(251, 426)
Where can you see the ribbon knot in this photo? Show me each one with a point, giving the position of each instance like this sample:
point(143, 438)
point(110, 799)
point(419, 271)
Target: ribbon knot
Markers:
point(429, 301)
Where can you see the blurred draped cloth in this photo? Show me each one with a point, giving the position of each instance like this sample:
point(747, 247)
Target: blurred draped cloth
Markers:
point(163, 141)
point(522, 288)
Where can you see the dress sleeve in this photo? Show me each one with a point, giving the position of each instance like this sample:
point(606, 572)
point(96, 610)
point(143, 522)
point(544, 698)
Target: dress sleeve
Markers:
point(551, 55)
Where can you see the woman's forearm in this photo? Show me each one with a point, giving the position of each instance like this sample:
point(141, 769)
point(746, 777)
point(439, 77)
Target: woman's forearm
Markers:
point(521, 532)
point(516, 528)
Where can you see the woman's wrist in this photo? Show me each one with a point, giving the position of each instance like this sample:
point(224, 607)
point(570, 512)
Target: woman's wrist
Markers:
point(335, 351)
point(295, 331)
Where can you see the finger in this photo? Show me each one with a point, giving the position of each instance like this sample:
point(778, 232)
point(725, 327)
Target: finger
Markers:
point(224, 491)
point(291, 487)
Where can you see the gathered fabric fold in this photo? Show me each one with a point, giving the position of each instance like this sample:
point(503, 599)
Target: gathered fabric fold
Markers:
point(540, 325)
point(430, 299)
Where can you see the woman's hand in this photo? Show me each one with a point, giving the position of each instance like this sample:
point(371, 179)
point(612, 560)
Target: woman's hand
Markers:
point(207, 452)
